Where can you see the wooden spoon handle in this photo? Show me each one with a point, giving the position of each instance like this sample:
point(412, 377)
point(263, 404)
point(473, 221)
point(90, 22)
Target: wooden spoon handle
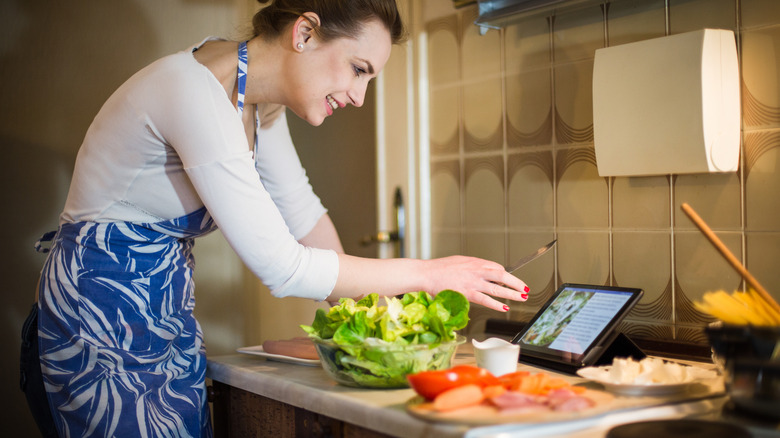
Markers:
point(720, 246)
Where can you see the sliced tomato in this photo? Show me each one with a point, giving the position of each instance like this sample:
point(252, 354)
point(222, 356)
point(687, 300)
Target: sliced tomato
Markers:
point(429, 384)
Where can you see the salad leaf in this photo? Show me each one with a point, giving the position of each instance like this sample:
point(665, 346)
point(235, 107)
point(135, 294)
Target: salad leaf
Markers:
point(370, 337)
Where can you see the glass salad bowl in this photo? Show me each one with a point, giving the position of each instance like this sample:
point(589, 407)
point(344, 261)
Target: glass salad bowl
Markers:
point(378, 364)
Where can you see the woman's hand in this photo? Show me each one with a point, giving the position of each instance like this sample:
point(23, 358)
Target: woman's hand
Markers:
point(478, 279)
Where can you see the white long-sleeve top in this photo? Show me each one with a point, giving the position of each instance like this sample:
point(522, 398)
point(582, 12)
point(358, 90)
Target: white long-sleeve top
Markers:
point(169, 141)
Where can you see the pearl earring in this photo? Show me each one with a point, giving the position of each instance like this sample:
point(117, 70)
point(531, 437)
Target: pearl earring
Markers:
point(299, 46)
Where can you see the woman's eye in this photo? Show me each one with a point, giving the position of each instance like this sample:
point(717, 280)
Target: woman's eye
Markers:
point(358, 70)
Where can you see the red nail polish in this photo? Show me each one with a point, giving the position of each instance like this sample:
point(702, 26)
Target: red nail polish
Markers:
point(527, 289)
point(506, 308)
point(524, 296)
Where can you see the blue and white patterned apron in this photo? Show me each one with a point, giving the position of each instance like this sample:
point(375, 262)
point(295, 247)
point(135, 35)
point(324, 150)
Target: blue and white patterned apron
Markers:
point(121, 351)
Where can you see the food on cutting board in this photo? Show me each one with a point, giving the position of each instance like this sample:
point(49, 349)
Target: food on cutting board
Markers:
point(372, 345)
point(466, 386)
point(430, 384)
point(648, 371)
point(740, 308)
point(300, 347)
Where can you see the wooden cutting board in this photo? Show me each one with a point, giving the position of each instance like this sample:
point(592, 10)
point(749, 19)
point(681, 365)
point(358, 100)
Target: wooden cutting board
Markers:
point(485, 414)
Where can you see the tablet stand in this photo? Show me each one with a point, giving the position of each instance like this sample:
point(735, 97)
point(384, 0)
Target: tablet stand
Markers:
point(620, 346)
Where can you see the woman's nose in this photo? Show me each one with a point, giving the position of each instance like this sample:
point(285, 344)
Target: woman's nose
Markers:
point(358, 95)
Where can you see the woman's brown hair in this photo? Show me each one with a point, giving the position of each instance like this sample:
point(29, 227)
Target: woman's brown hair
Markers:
point(338, 18)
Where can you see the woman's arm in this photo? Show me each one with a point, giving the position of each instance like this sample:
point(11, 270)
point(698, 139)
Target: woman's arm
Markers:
point(323, 235)
point(479, 280)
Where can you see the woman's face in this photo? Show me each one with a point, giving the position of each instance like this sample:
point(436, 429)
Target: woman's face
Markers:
point(332, 75)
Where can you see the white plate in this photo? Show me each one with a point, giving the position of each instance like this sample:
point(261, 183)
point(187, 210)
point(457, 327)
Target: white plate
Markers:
point(257, 350)
point(654, 389)
point(598, 375)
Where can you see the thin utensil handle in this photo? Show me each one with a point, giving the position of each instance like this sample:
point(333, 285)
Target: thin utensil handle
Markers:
point(720, 246)
point(530, 257)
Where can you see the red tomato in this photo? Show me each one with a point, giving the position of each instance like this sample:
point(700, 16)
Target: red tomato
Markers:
point(429, 384)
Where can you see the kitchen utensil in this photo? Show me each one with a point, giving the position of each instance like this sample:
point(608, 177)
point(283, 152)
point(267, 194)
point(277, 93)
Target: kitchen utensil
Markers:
point(525, 260)
point(496, 355)
point(749, 355)
point(720, 246)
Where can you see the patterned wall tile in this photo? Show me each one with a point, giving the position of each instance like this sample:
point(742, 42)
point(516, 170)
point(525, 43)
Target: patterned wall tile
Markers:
point(583, 257)
point(444, 120)
point(481, 54)
point(443, 50)
point(582, 196)
point(714, 196)
point(577, 34)
point(762, 255)
point(641, 203)
point(689, 15)
point(444, 76)
point(760, 78)
point(527, 45)
point(762, 180)
point(574, 103)
point(445, 195)
point(635, 20)
point(693, 334)
point(700, 268)
point(530, 193)
point(643, 260)
point(482, 116)
point(488, 245)
point(529, 108)
point(640, 329)
point(446, 243)
point(757, 13)
point(484, 190)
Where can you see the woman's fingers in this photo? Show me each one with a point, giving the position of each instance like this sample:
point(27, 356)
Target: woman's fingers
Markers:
point(482, 281)
point(500, 291)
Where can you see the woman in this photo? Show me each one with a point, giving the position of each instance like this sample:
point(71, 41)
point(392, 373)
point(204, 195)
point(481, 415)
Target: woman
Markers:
point(194, 141)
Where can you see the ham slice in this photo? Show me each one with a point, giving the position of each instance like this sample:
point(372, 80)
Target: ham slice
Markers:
point(515, 400)
point(565, 400)
point(301, 348)
point(561, 400)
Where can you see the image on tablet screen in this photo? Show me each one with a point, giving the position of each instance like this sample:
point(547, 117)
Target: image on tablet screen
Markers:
point(551, 324)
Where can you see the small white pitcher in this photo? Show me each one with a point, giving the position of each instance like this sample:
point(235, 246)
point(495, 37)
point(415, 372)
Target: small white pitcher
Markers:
point(496, 355)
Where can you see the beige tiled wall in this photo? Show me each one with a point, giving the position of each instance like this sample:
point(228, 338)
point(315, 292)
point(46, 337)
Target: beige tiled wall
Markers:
point(513, 164)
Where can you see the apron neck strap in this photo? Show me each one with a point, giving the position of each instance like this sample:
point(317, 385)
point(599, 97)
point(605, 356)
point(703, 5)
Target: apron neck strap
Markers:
point(243, 62)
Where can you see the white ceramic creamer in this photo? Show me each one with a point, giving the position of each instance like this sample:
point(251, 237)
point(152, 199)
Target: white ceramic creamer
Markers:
point(496, 355)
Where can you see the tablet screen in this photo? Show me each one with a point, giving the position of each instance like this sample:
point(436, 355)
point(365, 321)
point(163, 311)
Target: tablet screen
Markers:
point(575, 320)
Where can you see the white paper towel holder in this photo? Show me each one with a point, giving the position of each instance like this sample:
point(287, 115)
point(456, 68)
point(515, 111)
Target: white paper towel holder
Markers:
point(667, 105)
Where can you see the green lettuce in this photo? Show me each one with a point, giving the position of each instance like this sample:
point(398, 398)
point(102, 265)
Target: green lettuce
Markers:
point(378, 345)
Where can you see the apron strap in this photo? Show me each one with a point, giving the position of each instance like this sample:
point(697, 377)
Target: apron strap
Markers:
point(47, 237)
point(243, 61)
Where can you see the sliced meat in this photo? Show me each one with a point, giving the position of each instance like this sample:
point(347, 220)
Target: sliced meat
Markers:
point(515, 400)
point(564, 400)
point(302, 348)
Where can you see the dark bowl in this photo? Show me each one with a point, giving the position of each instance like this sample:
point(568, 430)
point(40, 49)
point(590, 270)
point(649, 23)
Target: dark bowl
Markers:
point(750, 359)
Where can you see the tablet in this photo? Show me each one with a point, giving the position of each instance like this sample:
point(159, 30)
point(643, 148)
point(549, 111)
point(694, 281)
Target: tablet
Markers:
point(575, 327)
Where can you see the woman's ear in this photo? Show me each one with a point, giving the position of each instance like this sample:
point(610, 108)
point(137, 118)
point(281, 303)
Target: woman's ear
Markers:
point(303, 30)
